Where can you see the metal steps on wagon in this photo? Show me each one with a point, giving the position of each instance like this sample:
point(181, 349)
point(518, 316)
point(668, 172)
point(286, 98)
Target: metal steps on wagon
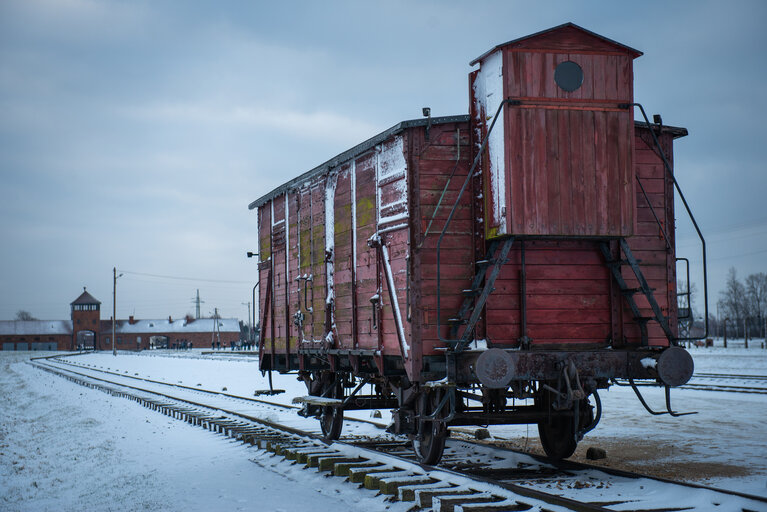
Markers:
point(476, 296)
point(615, 266)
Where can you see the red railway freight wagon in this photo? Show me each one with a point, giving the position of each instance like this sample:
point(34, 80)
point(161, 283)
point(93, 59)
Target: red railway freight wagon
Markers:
point(492, 268)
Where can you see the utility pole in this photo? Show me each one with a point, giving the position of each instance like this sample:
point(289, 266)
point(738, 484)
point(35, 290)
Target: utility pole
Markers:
point(114, 308)
point(725, 331)
point(216, 334)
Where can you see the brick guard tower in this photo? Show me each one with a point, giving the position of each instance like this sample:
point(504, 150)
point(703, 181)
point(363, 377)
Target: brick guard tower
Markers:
point(86, 318)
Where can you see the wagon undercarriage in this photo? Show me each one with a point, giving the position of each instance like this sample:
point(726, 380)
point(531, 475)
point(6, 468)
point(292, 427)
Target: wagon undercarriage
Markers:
point(556, 390)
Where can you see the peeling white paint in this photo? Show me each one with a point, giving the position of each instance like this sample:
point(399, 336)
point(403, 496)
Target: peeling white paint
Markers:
point(488, 91)
point(391, 174)
point(330, 197)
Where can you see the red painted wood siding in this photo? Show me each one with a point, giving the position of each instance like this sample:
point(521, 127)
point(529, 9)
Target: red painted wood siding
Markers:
point(569, 154)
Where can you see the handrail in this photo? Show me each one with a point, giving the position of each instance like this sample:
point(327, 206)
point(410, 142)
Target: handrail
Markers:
point(469, 175)
point(652, 210)
point(689, 213)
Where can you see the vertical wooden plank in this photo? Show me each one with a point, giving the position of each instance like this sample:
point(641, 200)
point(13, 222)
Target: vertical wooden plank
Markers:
point(543, 222)
point(627, 179)
point(602, 173)
point(611, 78)
point(598, 76)
point(591, 195)
point(515, 177)
point(554, 169)
point(565, 179)
point(614, 185)
point(529, 172)
point(577, 189)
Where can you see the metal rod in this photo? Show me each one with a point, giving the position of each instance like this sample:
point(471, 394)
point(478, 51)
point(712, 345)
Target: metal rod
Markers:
point(251, 335)
point(447, 184)
point(689, 212)
point(114, 308)
point(662, 229)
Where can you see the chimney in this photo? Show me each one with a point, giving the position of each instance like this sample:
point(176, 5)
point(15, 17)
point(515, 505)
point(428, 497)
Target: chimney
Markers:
point(131, 320)
point(189, 319)
point(170, 320)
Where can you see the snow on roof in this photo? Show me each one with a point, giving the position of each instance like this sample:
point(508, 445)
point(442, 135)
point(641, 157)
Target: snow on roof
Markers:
point(177, 326)
point(35, 327)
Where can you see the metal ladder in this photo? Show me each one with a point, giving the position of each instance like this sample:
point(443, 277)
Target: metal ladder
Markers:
point(615, 266)
point(497, 253)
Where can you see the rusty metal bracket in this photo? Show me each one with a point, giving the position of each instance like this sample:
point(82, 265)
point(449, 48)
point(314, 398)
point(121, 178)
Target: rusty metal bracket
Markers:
point(566, 398)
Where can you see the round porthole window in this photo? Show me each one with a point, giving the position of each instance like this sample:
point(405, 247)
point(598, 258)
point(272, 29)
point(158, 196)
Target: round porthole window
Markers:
point(568, 76)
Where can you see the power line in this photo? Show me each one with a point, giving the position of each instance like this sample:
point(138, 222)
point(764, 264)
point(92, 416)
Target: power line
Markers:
point(184, 278)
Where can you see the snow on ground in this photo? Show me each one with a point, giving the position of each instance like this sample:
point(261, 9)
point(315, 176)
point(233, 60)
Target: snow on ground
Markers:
point(66, 447)
point(63, 446)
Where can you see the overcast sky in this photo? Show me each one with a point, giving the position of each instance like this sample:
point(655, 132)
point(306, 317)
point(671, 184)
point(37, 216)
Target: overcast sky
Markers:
point(135, 134)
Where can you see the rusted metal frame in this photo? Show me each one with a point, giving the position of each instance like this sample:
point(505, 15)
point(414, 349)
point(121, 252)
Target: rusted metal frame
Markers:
point(355, 391)
point(546, 365)
point(657, 220)
point(366, 402)
point(647, 291)
point(520, 415)
point(670, 173)
point(615, 268)
point(476, 161)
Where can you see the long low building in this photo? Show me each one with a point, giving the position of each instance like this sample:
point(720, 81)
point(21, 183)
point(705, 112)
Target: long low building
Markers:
point(86, 330)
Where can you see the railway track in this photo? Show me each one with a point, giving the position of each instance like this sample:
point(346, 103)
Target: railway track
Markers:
point(471, 476)
point(737, 383)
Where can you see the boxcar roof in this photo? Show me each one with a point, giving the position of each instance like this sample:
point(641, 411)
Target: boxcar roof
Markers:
point(354, 152)
point(377, 139)
point(634, 53)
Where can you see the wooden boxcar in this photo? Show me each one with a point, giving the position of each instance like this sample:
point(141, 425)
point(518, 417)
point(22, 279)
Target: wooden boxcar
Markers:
point(491, 268)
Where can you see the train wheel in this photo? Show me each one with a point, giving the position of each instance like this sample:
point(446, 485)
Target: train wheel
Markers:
point(430, 441)
point(332, 418)
point(559, 433)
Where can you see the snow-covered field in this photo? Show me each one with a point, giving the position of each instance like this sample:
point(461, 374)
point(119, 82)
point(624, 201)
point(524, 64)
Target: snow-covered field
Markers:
point(65, 447)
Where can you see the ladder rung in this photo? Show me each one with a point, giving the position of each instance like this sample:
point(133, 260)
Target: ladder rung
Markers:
point(631, 291)
point(471, 292)
point(458, 321)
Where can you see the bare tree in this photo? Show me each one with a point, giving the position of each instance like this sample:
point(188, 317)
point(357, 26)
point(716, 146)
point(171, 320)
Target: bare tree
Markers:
point(756, 290)
point(24, 315)
point(733, 300)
